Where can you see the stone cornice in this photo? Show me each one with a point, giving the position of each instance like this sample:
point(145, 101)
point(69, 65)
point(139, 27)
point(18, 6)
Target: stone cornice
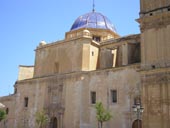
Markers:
point(158, 20)
point(78, 74)
point(155, 71)
point(125, 39)
point(157, 76)
point(155, 10)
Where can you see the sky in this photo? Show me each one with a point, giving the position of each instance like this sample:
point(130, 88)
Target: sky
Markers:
point(24, 23)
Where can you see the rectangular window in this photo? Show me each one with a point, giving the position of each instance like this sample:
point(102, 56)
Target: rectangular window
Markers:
point(92, 53)
point(93, 97)
point(113, 96)
point(56, 67)
point(26, 102)
point(97, 38)
point(7, 111)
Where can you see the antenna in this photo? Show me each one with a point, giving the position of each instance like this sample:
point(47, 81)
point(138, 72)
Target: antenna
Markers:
point(93, 5)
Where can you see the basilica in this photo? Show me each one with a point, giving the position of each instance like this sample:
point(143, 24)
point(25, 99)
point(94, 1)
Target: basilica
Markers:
point(130, 75)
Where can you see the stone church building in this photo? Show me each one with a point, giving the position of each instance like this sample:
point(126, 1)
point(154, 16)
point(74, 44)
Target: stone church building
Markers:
point(94, 64)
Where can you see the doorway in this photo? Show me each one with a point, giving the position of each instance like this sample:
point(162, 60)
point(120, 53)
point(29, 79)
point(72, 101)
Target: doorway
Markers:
point(54, 122)
point(137, 124)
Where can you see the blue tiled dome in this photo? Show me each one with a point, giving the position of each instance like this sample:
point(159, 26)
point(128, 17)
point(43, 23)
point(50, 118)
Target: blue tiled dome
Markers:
point(93, 20)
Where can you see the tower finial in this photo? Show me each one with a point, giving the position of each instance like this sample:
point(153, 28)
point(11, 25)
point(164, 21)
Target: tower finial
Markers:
point(93, 6)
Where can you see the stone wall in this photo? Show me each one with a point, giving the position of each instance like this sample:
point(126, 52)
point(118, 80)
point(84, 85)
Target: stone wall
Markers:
point(25, 72)
point(156, 98)
point(150, 5)
point(80, 112)
point(10, 106)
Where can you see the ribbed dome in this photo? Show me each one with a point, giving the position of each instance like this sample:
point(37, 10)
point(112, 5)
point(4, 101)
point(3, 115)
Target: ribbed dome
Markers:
point(93, 20)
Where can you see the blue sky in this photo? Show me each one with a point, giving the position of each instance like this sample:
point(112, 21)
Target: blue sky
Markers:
point(24, 23)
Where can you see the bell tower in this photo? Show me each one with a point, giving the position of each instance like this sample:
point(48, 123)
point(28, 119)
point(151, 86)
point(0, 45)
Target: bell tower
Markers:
point(155, 61)
point(155, 33)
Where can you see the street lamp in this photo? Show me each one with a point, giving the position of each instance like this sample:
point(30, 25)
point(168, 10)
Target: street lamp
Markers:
point(138, 109)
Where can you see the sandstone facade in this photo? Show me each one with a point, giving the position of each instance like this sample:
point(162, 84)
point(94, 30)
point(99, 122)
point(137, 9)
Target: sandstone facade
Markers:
point(95, 64)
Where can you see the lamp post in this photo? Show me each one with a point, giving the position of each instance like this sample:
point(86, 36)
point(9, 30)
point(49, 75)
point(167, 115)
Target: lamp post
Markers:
point(138, 109)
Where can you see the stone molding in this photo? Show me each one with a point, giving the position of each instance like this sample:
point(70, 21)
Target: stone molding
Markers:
point(154, 21)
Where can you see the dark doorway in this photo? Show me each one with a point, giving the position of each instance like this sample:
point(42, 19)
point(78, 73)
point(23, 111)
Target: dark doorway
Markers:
point(137, 124)
point(54, 122)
